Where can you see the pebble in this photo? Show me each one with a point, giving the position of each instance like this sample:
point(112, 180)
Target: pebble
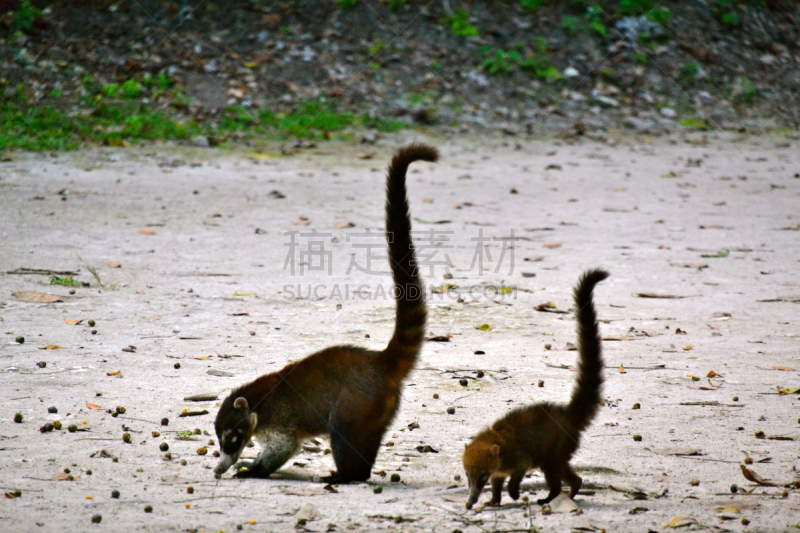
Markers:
point(637, 438)
point(540, 383)
point(165, 421)
point(52, 409)
point(115, 494)
point(41, 364)
point(20, 340)
point(451, 410)
point(202, 142)
point(18, 418)
point(148, 508)
point(96, 519)
point(571, 72)
point(92, 323)
point(463, 382)
point(668, 112)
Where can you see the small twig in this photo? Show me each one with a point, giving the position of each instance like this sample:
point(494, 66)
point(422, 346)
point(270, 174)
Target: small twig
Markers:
point(137, 419)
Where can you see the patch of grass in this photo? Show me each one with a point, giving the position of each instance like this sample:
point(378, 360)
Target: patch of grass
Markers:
point(346, 4)
point(594, 17)
point(397, 5)
point(571, 25)
point(66, 282)
point(459, 24)
point(532, 5)
point(25, 16)
point(744, 91)
point(695, 124)
point(506, 61)
point(641, 59)
point(688, 73)
point(185, 435)
point(376, 48)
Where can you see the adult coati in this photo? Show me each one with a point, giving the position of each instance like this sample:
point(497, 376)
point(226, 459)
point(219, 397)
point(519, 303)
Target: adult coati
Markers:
point(543, 435)
point(351, 393)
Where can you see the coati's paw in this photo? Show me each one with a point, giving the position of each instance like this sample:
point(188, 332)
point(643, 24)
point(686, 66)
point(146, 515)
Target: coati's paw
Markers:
point(543, 501)
point(493, 503)
point(250, 470)
point(514, 493)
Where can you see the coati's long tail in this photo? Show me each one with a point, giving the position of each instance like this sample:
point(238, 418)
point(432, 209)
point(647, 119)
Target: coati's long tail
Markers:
point(401, 353)
point(585, 400)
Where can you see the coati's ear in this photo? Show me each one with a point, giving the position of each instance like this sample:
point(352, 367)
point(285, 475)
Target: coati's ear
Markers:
point(253, 422)
point(494, 450)
point(241, 403)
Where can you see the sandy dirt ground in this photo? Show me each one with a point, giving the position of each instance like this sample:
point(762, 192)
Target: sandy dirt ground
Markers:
point(194, 268)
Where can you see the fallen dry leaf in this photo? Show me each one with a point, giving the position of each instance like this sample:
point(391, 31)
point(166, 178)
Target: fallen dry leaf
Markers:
point(113, 265)
point(788, 391)
point(688, 347)
point(755, 478)
point(52, 347)
point(72, 322)
point(712, 374)
point(729, 510)
point(786, 368)
point(146, 231)
point(112, 373)
point(344, 225)
point(622, 370)
point(61, 476)
point(554, 245)
point(675, 522)
point(38, 297)
point(302, 223)
point(93, 406)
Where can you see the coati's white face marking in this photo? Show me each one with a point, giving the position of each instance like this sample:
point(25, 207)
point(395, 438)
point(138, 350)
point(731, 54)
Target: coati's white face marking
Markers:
point(232, 441)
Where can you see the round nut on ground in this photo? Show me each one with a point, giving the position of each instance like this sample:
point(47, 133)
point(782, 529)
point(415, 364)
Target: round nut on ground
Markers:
point(156, 434)
point(168, 456)
point(735, 398)
point(41, 364)
point(72, 428)
point(18, 418)
point(164, 447)
point(734, 488)
point(57, 424)
point(548, 346)
point(94, 332)
point(451, 410)
point(215, 453)
point(395, 478)
point(435, 396)
point(183, 462)
point(463, 382)
point(20, 340)
point(120, 410)
point(694, 482)
point(92, 323)
point(88, 472)
point(546, 510)
point(190, 490)
point(745, 521)
point(377, 490)
point(785, 494)
point(52, 409)
point(96, 519)
point(47, 428)
point(126, 438)
point(67, 470)
point(748, 460)
point(457, 477)
point(202, 451)
point(238, 527)
point(165, 421)
point(637, 438)
point(636, 406)
point(176, 366)
point(479, 373)
point(540, 383)
point(148, 508)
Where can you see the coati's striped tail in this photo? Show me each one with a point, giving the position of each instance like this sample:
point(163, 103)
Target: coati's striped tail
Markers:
point(585, 400)
point(401, 353)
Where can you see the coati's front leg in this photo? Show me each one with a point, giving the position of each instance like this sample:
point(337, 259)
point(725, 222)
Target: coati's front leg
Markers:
point(514, 484)
point(497, 489)
point(573, 480)
point(277, 448)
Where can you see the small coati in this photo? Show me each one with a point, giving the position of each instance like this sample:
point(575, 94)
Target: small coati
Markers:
point(351, 393)
point(543, 435)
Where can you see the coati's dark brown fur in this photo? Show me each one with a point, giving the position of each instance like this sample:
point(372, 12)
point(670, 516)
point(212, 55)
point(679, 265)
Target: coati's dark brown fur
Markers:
point(543, 435)
point(351, 393)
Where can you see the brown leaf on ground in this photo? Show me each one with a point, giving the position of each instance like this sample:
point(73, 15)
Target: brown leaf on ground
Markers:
point(755, 478)
point(344, 225)
point(72, 322)
point(61, 476)
point(93, 406)
point(554, 245)
point(622, 370)
point(39, 297)
point(52, 347)
point(785, 368)
point(113, 265)
point(147, 232)
point(654, 295)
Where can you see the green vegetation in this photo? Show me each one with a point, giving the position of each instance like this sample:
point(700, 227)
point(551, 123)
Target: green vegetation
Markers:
point(695, 124)
point(723, 10)
point(537, 63)
point(185, 435)
point(459, 24)
point(112, 116)
point(397, 5)
point(689, 73)
point(346, 4)
point(532, 5)
point(744, 91)
point(595, 21)
point(67, 282)
point(376, 48)
point(25, 16)
point(571, 25)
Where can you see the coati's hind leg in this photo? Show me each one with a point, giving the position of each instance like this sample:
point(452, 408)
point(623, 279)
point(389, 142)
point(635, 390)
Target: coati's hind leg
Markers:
point(573, 480)
point(354, 450)
point(552, 476)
